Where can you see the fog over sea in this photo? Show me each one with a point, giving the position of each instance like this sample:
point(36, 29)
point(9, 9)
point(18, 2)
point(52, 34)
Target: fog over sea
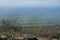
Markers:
point(43, 15)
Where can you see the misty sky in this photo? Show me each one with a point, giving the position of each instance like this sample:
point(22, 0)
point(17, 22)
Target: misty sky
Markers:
point(29, 3)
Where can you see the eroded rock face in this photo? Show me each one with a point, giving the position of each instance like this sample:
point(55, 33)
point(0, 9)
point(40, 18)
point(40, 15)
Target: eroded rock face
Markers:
point(3, 38)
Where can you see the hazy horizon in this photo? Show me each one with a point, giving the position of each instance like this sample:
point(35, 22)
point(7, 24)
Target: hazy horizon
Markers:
point(43, 10)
